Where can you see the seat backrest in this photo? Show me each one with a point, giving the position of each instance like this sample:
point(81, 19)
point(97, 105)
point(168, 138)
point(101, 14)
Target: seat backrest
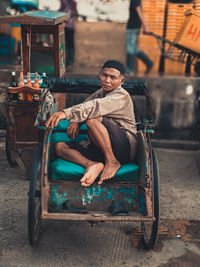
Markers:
point(79, 89)
point(140, 107)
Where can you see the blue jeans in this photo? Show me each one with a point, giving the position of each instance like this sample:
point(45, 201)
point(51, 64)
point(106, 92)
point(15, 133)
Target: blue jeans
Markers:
point(132, 41)
point(132, 51)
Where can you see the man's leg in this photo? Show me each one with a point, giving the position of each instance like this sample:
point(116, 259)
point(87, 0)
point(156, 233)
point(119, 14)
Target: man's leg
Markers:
point(100, 137)
point(146, 60)
point(131, 50)
point(93, 169)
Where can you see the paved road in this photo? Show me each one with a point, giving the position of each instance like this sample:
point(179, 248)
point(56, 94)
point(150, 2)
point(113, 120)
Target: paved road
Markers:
point(106, 244)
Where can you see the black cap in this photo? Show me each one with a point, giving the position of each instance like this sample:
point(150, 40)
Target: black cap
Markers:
point(115, 64)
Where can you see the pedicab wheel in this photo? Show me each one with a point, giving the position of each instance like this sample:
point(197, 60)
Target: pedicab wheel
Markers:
point(150, 229)
point(197, 68)
point(10, 154)
point(34, 201)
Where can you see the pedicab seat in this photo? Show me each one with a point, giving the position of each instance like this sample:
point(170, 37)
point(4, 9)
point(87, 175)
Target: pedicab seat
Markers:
point(65, 170)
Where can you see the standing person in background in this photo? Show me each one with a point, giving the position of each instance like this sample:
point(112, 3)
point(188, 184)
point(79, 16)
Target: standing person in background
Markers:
point(69, 6)
point(135, 21)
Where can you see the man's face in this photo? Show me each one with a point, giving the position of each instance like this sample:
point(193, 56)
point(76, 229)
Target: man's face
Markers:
point(110, 79)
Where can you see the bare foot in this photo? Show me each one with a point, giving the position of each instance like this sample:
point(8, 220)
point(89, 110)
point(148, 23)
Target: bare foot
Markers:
point(91, 173)
point(109, 170)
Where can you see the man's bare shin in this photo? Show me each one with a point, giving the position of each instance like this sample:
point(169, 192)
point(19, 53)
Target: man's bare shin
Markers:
point(100, 137)
point(92, 168)
point(66, 153)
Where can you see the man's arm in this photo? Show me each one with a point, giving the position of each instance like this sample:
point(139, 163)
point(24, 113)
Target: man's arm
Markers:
point(73, 128)
point(55, 118)
point(96, 107)
point(141, 16)
point(87, 110)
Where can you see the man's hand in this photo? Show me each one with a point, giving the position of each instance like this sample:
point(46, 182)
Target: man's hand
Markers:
point(55, 118)
point(72, 130)
point(145, 29)
point(141, 16)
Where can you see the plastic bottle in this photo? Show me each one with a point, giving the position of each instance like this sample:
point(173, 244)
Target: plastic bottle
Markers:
point(36, 86)
point(44, 80)
point(29, 95)
point(21, 79)
point(29, 79)
point(13, 83)
point(36, 83)
point(21, 95)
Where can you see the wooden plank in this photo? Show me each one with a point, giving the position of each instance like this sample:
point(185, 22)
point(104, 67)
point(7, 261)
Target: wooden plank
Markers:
point(49, 29)
point(96, 216)
point(25, 144)
point(31, 19)
point(24, 88)
point(42, 48)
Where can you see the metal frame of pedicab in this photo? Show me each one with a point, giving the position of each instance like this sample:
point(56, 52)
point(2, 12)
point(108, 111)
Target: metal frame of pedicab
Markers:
point(148, 182)
point(176, 52)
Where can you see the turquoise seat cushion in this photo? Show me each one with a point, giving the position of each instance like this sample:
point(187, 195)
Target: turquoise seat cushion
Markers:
point(65, 170)
point(61, 134)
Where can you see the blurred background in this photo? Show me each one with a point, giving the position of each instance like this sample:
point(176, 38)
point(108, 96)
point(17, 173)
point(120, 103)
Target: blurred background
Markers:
point(100, 31)
point(100, 34)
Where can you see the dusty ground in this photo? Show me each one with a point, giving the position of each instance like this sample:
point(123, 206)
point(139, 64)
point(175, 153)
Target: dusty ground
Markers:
point(106, 244)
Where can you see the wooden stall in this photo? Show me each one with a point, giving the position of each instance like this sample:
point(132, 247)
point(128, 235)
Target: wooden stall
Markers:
point(43, 51)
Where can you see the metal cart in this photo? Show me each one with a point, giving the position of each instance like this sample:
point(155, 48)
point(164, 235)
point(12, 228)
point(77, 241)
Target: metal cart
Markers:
point(179, 53)
point(186, 46)
point(55, 182)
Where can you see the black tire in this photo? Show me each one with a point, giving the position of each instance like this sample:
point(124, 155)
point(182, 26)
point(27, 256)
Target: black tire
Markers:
point(150, 229)
point(197, 68)
point(10, 154)
point(34, 201)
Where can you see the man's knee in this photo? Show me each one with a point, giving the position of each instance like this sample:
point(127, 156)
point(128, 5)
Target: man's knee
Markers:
point(59, 148)
point(92, 122)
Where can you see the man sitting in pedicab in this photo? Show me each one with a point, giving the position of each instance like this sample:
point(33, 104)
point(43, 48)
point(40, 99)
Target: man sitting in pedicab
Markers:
point(110, 119)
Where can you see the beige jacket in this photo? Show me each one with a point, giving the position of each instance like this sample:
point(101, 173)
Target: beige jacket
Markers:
point(116, 104)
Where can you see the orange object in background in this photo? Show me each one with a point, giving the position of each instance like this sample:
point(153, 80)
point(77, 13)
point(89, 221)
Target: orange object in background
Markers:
point(21, 95)
point(189, 34)
point(29, 97)
point(155, 22)
point(29, 79)
point(21, 79)
point(36, 84)
point(175, 18)
point(196, 5)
